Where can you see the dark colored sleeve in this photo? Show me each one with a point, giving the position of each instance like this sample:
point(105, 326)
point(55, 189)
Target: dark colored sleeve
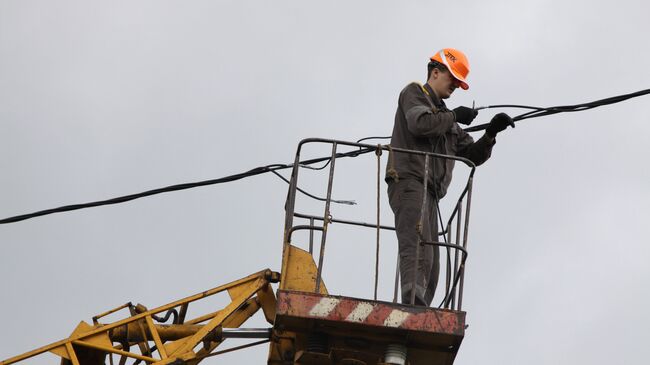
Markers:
point(423, 120)
point(479, 151)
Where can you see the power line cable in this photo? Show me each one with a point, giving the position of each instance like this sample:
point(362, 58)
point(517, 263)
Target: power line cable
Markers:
point(534, 113)
point(541, 112)
point(537, 111)
point(255, 171)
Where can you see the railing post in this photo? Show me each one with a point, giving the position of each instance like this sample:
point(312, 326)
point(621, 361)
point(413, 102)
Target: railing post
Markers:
point(326, 218)
point(378, 153)
point(311, 236)
point(448, 268)
point(459, 219)
point(465, 233)
point(291, 196)
point(396, 279)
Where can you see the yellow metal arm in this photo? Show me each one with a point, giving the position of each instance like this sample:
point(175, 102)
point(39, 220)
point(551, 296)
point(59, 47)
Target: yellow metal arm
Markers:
point(164, 344)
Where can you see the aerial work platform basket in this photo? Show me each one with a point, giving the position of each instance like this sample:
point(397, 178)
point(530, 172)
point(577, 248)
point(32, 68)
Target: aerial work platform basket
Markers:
point(308, 324)
point(327, 329)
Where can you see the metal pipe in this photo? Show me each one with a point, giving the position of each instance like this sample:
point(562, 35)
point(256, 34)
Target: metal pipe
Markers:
point(458, 226)
point(97, 317)
point(179, 331)
point(311, 237)
point(378, 153)
point(396, 279)
point(246, 333)
point(334, 220)
point(465, 234)
point(446, 299)
point(299, 228)
point(370, 148)
point(326, 218)
point(174, 332)
point(291, 196)
point(235, 348)
point(448, 266)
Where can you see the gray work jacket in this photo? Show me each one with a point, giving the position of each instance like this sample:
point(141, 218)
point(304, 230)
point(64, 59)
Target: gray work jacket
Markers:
point(423, 123)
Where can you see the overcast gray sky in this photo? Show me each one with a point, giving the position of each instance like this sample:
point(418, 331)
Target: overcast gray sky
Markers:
point(101, 99)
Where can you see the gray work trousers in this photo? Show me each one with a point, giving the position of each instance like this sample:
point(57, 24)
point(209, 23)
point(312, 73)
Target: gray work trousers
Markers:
point(405, 198)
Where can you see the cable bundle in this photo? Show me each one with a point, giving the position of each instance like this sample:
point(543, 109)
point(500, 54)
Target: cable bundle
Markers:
point(540, 112)
point(534, 113)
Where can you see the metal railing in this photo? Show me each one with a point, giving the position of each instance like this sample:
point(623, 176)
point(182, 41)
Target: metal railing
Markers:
point(452, 238)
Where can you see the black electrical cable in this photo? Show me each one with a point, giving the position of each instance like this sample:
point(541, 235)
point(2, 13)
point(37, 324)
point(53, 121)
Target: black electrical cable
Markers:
point(172, 312)
point(540, 112)
point(368, 138)
point(184, 186)
point(347, 202)
point(317, 168)
point(534, 113)
point(126, 198)
point(537, 111)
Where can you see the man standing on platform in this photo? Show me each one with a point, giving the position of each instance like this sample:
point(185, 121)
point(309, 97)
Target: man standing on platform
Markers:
point(423, 123)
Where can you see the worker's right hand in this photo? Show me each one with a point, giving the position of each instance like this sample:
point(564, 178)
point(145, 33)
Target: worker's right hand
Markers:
point(465, 115)
point(498, 123)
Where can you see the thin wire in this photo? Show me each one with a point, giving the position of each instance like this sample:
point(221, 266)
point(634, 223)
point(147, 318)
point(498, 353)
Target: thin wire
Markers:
point(347, 202)
point(509, 106)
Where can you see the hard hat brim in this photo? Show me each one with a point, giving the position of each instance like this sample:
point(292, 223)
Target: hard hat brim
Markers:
point(461, 81)
point(440, 57)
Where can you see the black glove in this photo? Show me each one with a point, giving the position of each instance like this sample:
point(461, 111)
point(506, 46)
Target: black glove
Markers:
point(498, 123)
point(465, 115)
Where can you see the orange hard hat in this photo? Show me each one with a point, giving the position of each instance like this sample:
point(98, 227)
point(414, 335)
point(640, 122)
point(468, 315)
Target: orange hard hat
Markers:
point(456, 62)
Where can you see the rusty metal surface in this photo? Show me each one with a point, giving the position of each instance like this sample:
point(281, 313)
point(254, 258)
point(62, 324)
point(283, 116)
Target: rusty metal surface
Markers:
point(352, 311)
point(358, 331)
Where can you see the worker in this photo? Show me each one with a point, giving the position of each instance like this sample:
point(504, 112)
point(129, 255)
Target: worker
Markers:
point(424, 123)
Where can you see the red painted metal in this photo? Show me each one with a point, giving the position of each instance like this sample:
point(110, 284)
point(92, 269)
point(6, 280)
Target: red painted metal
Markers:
point(361, 330)
point(382, 314)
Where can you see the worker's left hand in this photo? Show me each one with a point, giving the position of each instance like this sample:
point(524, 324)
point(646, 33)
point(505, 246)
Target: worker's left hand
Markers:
point(498, 123)
point(465, 115)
